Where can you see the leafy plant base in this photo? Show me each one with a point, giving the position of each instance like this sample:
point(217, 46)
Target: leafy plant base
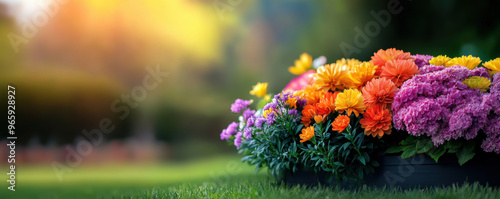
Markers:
point(420, 171)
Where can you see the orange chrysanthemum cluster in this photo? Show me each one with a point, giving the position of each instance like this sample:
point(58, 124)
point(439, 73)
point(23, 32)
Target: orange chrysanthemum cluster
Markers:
point(351, 88)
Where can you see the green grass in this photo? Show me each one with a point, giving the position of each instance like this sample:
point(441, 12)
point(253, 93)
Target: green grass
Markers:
point(223, 177)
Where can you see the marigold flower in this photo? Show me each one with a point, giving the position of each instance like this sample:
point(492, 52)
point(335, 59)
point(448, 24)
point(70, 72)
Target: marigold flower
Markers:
point(382, 56)
point(301, 65)
point(310, 93)
point(323, 109)
point(469, 62)
point(267, 112)
point(308, 113)
point(307, 134)
point(477, 82)
point(292, 102)
point(361, 74)
point(493, 65)
point(259, 90)
point(399, 71)
point(376, 121)
point(329, 99)
point(348, 64)
point(318, 119)
point(440, 60)
point(351, 100)
point(340, 123)
point(379, 91)
point(331, 77)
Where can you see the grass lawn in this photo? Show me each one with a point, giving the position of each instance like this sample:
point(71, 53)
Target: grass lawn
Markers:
point(223, 177)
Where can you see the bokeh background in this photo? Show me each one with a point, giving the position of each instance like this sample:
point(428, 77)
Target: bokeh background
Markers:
point(71, 65)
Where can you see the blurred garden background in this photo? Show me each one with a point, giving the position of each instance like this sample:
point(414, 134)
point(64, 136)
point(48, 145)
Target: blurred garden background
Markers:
point(71, 60)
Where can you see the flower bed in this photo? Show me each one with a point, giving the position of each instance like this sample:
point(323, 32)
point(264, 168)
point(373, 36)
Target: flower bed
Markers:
point(338, 119)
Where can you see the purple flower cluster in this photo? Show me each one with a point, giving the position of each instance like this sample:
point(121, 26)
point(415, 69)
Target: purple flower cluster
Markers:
point(436, 103)
point(239, 105)
point(421, 60)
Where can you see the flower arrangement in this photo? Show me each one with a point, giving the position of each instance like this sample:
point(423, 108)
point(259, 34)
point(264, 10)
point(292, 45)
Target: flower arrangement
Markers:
point(337, 118)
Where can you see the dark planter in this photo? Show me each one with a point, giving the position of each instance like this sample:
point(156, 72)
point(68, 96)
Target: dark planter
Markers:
point(419, 171)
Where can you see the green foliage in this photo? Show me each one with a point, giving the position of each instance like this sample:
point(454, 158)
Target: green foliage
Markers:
point(346, 157)
point(412, 145)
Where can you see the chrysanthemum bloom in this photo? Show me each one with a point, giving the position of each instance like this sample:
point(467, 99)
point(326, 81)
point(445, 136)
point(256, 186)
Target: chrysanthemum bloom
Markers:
point(292, 102)
point(331, 77)
point(477, 82)
point(239, 105)
point(469, 62)
point(310, 93)
point(399, 71)
point(376, 121)
point(307, 134)
point(301, 65)
point(361, 74)
point(259, 90)
point(382, 56)
point(300, 82)
point(493, 65)
point(340, 123)
point(329, 99)
point(318, 119)
point(351, 100)
point(440, 60)
point(348, 64)
point(308, 114)
point(323, 109)
point(379, 91)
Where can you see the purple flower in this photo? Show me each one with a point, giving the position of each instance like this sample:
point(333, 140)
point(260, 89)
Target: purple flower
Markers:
point(229, 131)
point(247, 113)
point(250, 122)
point(421, 60)
point(237, 140)
point(247, 132)
point(259, 122)
point(239, 105)
point(436, 103)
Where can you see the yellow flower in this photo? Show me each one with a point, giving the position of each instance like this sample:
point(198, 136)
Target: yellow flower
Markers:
point(493, 65)
point(477, 82)
point(440, 60)
point(301, 65)
point(331, 77)
point(292, 102)
point(348, 64)
point(259, 90)
point(351, 100)
point(267, 112)
point(361, 74)
point(307, 134)
point(469, 62)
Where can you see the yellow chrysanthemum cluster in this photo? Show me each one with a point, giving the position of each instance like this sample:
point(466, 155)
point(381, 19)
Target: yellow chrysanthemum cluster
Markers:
point(469, 62)
point(344, 73)
point(477, 82)
point(493, 66)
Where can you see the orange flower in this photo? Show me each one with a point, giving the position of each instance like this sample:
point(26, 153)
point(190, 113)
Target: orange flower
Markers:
point(399, 71)
point(382, 56)
point(318, 119)
point(308, 113)
point(311, 93)
point(292, 102)
point(340, 123)
point(351, 100)
point(376, 121)
point(379, 91)
point(329, 99)
point(331, 77)
point(323, 109)
point(361, 74)
point(348, 64)
point(307, 134)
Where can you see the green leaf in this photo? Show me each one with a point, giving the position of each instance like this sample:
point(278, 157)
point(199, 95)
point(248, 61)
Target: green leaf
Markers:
point(409, 141)
point(394, 149)
point(362, 159)
point(408, 152)
point(424, 146)
point(437, 153)
point(466, 153)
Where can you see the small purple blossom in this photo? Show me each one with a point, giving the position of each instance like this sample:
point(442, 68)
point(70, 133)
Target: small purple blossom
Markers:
point(421, 60)
point(247, 133)
point(239, 105)
point(248, 113)
point(229, 131)
point(237, 140)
